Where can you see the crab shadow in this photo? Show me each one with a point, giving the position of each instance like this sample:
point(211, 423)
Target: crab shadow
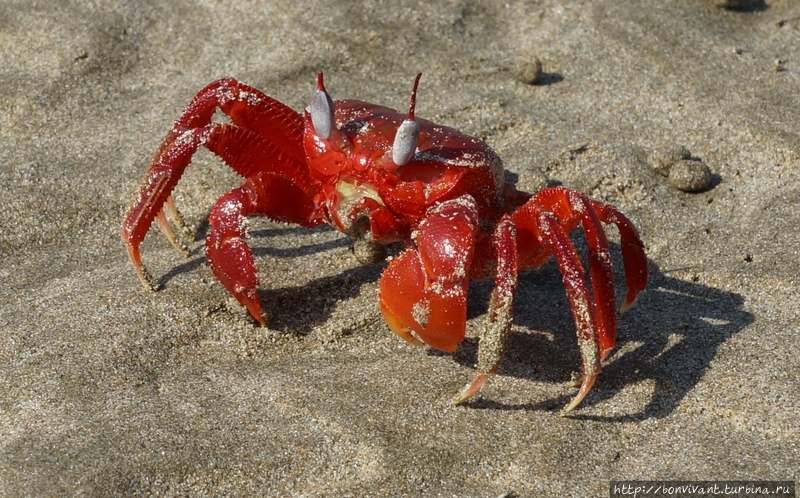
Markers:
point(311, 303)
point(668, 339)
point(198, 258)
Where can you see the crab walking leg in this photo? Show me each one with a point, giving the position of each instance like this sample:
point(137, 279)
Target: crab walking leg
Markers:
point(161, 218)
point(243, 150)
point(248, 108)
point(165, 171)
point(541, 233)
point(633, 256)
point(572, 274)
point(228, 254)
point(571, 207)
point(496, 330)
point(423, 291)
point(275, 123)
point(177, 218)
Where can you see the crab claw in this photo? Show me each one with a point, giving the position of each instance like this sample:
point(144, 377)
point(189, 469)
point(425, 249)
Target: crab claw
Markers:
point(228, 254)
point(423, 291)
point(416, 309)
point(397, 299)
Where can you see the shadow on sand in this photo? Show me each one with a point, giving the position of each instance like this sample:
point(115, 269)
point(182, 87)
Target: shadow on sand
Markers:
point(669, 337)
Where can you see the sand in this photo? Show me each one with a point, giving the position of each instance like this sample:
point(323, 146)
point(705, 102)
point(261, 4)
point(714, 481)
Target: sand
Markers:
point(108, 390)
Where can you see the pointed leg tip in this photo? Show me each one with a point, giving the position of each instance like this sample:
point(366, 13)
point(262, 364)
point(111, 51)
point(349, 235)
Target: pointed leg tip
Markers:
point(470, 389)
point(565, 411)
point(630, 300)
point(166, 228)
point(180, 223)
point(254, 308)
point(460, 399)
point(586, 386)
point(148, 282)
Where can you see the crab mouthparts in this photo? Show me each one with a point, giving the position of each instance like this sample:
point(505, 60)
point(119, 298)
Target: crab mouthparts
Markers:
point(351, 190)
point(348, 192)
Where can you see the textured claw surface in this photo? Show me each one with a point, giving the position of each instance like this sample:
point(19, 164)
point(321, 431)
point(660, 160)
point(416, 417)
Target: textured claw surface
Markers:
point(425, 287)
point(401, 289)
point(419, 309)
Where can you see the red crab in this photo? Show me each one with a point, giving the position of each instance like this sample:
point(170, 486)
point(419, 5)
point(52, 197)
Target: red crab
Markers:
point(381, 176)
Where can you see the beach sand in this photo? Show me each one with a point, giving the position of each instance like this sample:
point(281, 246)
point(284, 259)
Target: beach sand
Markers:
point(108, 390)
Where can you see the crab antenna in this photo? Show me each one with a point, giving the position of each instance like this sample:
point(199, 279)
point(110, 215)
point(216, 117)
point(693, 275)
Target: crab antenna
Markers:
point(407, 137)
point(414, 98)
point(321, 110)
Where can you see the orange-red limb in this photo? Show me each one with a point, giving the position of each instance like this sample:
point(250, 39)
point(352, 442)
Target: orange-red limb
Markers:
point(230, 258)
point(248, 108)
point(572, 207)
point(423, 291)
point(497, 328)
point(540, 229)
point(633, 257)
point(268, 137)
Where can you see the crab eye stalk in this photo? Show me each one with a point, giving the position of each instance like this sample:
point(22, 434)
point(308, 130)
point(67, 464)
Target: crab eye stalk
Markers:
point(321, 110)
point(407, 137)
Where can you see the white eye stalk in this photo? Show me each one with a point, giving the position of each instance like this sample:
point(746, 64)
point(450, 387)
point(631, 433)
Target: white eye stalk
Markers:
point(407, 137)
point(321, 110)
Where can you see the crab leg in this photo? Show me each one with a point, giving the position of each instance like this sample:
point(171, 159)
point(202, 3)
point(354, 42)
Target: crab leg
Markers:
point(541, 233)
point(169, 165)
point(265, 131)
point(161, 218)
point(557, 240)
point(229, 256)
point(248, 108)
point(177, 218)
point(494, 334)
point(633, 257)
point(164, 173)
point(423, 291)
point(556, 212)
point(570, 208)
